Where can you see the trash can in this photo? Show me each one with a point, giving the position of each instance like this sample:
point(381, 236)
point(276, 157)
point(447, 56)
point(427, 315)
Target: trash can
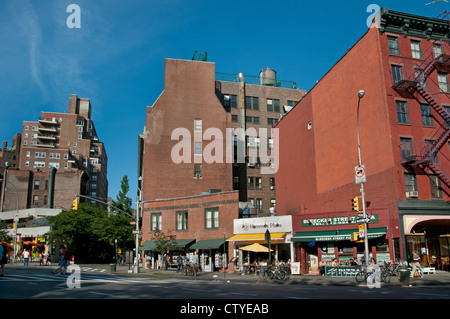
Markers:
point(112, 267)
point(405, 275)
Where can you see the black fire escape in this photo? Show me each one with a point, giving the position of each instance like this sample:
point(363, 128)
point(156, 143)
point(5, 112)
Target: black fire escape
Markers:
point(424, 153)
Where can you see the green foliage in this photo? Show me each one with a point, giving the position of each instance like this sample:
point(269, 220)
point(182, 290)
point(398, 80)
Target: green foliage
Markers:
point(163, 242)
point(115, 227)
point(71, 224)
point(123, 202)
point(3, 234)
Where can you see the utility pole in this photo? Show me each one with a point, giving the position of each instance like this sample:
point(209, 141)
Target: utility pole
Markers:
point(366, 241)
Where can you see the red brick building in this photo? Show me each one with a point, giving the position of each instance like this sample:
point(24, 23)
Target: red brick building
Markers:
point(402, 66)
point(189, 150)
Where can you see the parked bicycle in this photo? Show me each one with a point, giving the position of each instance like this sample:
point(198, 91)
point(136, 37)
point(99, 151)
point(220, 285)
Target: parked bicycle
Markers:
point(364, 276)
point(271, 272)
point(190, 270)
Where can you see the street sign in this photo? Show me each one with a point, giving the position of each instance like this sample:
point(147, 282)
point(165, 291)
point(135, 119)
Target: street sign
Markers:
point(360, 174)
point(361, 220)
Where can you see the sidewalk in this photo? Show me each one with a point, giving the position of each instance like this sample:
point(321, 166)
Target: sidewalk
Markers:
point(438, 279)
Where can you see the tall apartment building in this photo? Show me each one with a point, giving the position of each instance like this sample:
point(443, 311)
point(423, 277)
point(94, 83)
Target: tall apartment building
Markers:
point(404, 120)
point(196, 99)
point(60, 156)
point(9, 156)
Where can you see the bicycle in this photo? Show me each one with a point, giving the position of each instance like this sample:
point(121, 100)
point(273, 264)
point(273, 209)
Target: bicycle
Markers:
point(273, 272)
point(363, 275)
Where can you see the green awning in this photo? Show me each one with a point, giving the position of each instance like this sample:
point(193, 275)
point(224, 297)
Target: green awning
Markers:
point(181, 243)
point(335, 235)
point(208, 244)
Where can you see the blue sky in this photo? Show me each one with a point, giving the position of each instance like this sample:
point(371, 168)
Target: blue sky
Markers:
point(116, 58)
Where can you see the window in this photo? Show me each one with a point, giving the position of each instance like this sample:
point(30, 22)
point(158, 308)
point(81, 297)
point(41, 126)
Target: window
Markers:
point(393, 45)
point(272, 183)
point(406, 147)
point(197, 148)
point(410, 182)
point(251, 103)
point(35, 199)
point(273, 105)
point(155, 221)
point(259, 205)
point(443, 82)
point(437, 47)
point(416, 49)
point(435, 185)
point(397, 73)
point(39, 154)
point(230, 100)
point(252, 119)
point(197, 171)
point(36, 184)
point(234, 118)
point(197, 125)
point(182, 220)
point(211, 218)
point(254, 183)
point(425, 111)
point(402, 112)
point(39, 164)
point(271, 121)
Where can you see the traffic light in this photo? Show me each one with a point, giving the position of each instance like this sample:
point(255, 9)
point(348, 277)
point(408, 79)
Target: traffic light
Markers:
point(75, 204)
point(355, 204)
point(354, 236)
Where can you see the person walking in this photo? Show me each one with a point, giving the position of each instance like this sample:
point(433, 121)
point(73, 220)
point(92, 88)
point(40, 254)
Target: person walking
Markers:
point(416, 265)
point(179, 263)
point(65, 257)
point(26, 257)
point(3, 259)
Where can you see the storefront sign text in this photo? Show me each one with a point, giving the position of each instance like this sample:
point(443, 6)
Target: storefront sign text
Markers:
point(333, 221)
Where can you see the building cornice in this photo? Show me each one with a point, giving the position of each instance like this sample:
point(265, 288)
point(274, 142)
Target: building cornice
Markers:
point(413, 25)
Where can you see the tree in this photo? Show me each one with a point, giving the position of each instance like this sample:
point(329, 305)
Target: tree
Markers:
point(123, 202)
point(163, 243)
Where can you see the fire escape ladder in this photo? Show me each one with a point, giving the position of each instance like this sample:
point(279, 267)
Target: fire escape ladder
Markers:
point(417, 84)
point(439, 172)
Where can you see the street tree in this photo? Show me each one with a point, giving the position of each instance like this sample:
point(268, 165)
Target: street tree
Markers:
point(163, 242)
point(123, 202)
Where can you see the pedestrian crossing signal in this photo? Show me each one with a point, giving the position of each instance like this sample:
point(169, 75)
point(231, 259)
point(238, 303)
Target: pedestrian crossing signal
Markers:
point(355, 204)
point(75, 204)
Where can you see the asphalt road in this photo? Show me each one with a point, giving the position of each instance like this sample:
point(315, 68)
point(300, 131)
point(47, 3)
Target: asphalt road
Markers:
point(97, 290)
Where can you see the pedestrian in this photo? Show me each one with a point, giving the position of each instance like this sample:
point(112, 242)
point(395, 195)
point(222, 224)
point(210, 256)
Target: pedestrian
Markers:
point(179, 263)
point(26, 257)
point(3, 259)
point(416, 265)
point(65, 257)
point(48, 261)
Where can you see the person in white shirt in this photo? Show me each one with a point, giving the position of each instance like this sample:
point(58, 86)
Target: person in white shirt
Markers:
point(26, 257)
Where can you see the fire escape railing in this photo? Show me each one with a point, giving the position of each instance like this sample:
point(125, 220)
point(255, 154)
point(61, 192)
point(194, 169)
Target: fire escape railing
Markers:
point(416, 83)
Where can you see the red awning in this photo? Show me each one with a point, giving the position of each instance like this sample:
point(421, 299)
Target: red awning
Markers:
point(31, 243)
point(6, 244)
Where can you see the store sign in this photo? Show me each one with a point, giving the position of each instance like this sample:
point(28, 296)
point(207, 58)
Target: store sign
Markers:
point(341, 271)
point(333, 221)
point(275, 224)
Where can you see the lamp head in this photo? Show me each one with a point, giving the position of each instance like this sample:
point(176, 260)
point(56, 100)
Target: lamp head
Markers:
point(361, 94)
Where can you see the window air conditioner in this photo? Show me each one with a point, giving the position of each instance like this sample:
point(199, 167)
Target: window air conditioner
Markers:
point(412, 194)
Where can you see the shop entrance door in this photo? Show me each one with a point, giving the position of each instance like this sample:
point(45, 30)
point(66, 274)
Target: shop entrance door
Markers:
point(206, 264)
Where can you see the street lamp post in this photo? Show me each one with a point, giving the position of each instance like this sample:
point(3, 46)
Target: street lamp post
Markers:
point(366, 242)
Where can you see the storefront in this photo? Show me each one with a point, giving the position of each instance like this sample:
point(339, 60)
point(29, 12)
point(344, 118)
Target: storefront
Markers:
point(328, 239)
point(426, 230)
point(249, 231)
point(153, 257)
point(212, 253)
